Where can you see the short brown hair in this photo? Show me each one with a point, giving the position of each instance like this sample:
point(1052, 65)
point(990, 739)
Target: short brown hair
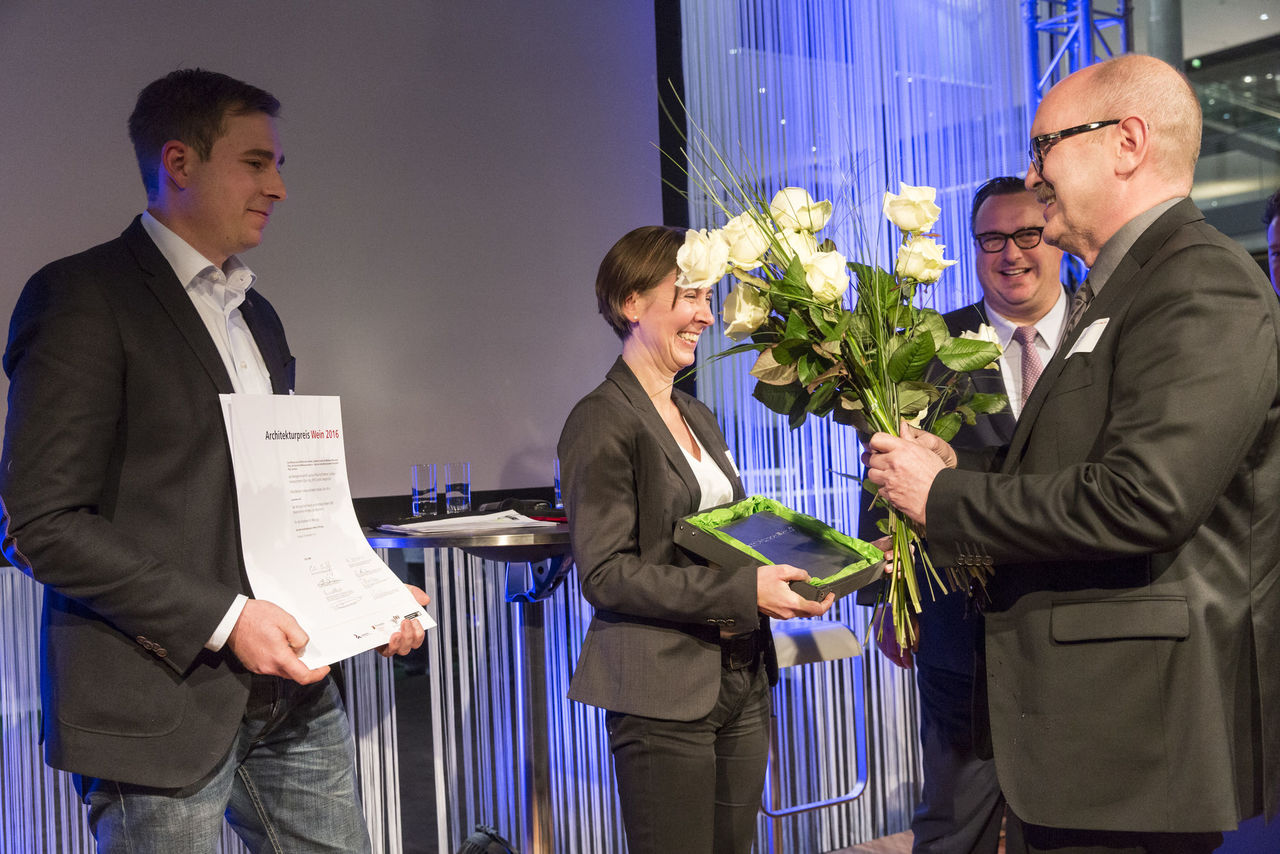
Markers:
point(190, 105)
point(635, 265)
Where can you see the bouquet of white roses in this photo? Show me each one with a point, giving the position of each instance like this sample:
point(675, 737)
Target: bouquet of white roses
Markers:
point(872, 361)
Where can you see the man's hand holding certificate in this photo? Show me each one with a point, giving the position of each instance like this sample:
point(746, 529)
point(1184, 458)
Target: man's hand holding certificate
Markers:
point(321, 593)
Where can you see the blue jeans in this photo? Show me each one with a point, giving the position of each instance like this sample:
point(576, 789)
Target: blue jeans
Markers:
point(286, 785)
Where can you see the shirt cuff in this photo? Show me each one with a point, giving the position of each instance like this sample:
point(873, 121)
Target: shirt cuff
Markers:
point(223, 631)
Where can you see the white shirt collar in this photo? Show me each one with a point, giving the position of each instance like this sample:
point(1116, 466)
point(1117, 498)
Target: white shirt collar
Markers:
point(190, 266)
point(1049, 327)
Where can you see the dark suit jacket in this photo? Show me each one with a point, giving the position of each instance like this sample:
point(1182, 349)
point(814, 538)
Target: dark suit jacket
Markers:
point(653, 645)
point(119, 497)
point(1133, 639)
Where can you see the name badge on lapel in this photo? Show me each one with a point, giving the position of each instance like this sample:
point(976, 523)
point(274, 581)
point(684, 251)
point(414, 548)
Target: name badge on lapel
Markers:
point(1089, 338)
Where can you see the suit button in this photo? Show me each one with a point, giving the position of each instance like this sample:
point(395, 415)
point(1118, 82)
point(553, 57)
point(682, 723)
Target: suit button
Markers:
point(161, 652)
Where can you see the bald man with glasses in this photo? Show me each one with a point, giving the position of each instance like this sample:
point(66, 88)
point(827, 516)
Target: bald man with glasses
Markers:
point(1132, 634)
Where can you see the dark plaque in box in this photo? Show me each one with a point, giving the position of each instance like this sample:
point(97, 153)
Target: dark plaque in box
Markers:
point(758, 531)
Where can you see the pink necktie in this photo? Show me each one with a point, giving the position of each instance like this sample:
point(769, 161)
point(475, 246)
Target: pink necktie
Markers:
point(1031, 364)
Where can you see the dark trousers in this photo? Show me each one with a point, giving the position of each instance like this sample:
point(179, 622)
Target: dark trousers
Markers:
point(694, 786)
point(961, 806)
point(1037, 839)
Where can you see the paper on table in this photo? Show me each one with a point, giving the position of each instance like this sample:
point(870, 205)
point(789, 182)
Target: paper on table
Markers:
point(303, 548)
point(484, 523)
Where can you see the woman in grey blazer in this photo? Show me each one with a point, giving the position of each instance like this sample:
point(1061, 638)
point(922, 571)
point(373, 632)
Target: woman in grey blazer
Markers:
point(678, 653)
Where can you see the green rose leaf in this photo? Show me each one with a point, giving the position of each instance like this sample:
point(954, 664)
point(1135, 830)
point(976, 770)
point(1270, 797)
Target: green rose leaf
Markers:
point(931, 321)
point(946, 426)
point(913, 397)
point(796, 326)
point(789, 400)
point(967, 354)
point(911, 357)
point(849, 411)
point(793, 281)
point(987, 403)
point(809, 367)
point(824, 320)
point(823, 400)
point(770, 371)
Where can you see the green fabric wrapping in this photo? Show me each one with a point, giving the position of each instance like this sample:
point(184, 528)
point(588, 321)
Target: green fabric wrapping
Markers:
point(712, 520)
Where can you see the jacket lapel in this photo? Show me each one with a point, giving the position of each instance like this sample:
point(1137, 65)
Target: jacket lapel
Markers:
point(162, 282)
point(268, 345)
point(709, 436)
point(620, 374)
point(1114, 292)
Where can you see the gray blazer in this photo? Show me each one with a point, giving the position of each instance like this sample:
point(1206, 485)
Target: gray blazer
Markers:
point(119, 497)
point(1133, 639)
point(652, 648)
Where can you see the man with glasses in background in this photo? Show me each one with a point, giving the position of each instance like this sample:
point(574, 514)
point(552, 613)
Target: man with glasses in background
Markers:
point(1131, 636)
point(961, 807)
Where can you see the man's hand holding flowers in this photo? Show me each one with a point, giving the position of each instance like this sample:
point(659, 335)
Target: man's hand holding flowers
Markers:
point(903, 467)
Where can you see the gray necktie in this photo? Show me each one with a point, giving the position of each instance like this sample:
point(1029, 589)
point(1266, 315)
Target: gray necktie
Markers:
point(1079, 304)
point(1031, 364)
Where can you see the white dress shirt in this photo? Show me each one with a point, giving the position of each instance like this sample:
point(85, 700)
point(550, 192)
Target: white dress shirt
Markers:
point(217, 294)
point(715, 487)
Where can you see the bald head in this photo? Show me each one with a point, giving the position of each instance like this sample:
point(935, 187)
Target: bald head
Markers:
point(1143, 86)
point(1112, 140)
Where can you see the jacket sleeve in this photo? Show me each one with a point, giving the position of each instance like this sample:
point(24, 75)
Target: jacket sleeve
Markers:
point(1148, 440)
point(621, 525)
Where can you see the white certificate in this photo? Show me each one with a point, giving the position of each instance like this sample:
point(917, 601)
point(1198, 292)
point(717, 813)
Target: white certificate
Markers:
point(303, 548)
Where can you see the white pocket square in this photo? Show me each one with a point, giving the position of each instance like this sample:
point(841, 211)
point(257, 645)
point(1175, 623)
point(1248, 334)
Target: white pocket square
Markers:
point(1089, 338)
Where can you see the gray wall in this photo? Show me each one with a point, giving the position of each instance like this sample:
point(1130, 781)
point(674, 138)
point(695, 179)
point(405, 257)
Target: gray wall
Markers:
point(455, 171)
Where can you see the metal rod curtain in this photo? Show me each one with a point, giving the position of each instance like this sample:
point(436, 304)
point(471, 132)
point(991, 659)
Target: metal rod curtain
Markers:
point(847, 98)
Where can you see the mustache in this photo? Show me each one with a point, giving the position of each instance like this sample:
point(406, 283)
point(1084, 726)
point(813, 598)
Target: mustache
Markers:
point(1045, 193)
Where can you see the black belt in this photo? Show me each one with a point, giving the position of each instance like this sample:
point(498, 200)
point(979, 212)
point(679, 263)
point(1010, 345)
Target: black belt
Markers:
point(740, 651)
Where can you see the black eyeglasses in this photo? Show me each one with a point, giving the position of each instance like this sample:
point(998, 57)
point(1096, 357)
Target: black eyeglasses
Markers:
point(992, 242)
point(1041, 144)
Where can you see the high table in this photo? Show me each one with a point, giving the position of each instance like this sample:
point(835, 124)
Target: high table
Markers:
point(536, 560)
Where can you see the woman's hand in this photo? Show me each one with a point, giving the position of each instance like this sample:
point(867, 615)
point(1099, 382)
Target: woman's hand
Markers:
point(776, 599)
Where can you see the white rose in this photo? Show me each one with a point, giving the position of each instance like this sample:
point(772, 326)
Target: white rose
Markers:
point(827, 276)
point(920, 258)
point(703, 259)
point(984, 332)
point(747, 241)
point(913, 209)
point(795, 244)
point(744, 310)
point(794, 209)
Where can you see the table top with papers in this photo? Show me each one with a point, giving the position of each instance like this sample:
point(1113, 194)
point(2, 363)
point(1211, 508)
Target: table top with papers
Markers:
point(503, 536)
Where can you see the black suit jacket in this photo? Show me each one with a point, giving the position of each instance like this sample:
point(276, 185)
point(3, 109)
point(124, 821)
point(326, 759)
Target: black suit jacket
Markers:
point(1133, 639)
point(653, 647)
point(119, 497)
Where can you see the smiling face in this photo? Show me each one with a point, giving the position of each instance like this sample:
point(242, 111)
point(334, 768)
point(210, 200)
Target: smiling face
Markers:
point(668, 322)
point(1020, 285)
point(221, 205)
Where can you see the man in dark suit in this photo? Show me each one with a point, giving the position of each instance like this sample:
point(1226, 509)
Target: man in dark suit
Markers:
point(1131, 636)
point(171, 693)
point(961, 807)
